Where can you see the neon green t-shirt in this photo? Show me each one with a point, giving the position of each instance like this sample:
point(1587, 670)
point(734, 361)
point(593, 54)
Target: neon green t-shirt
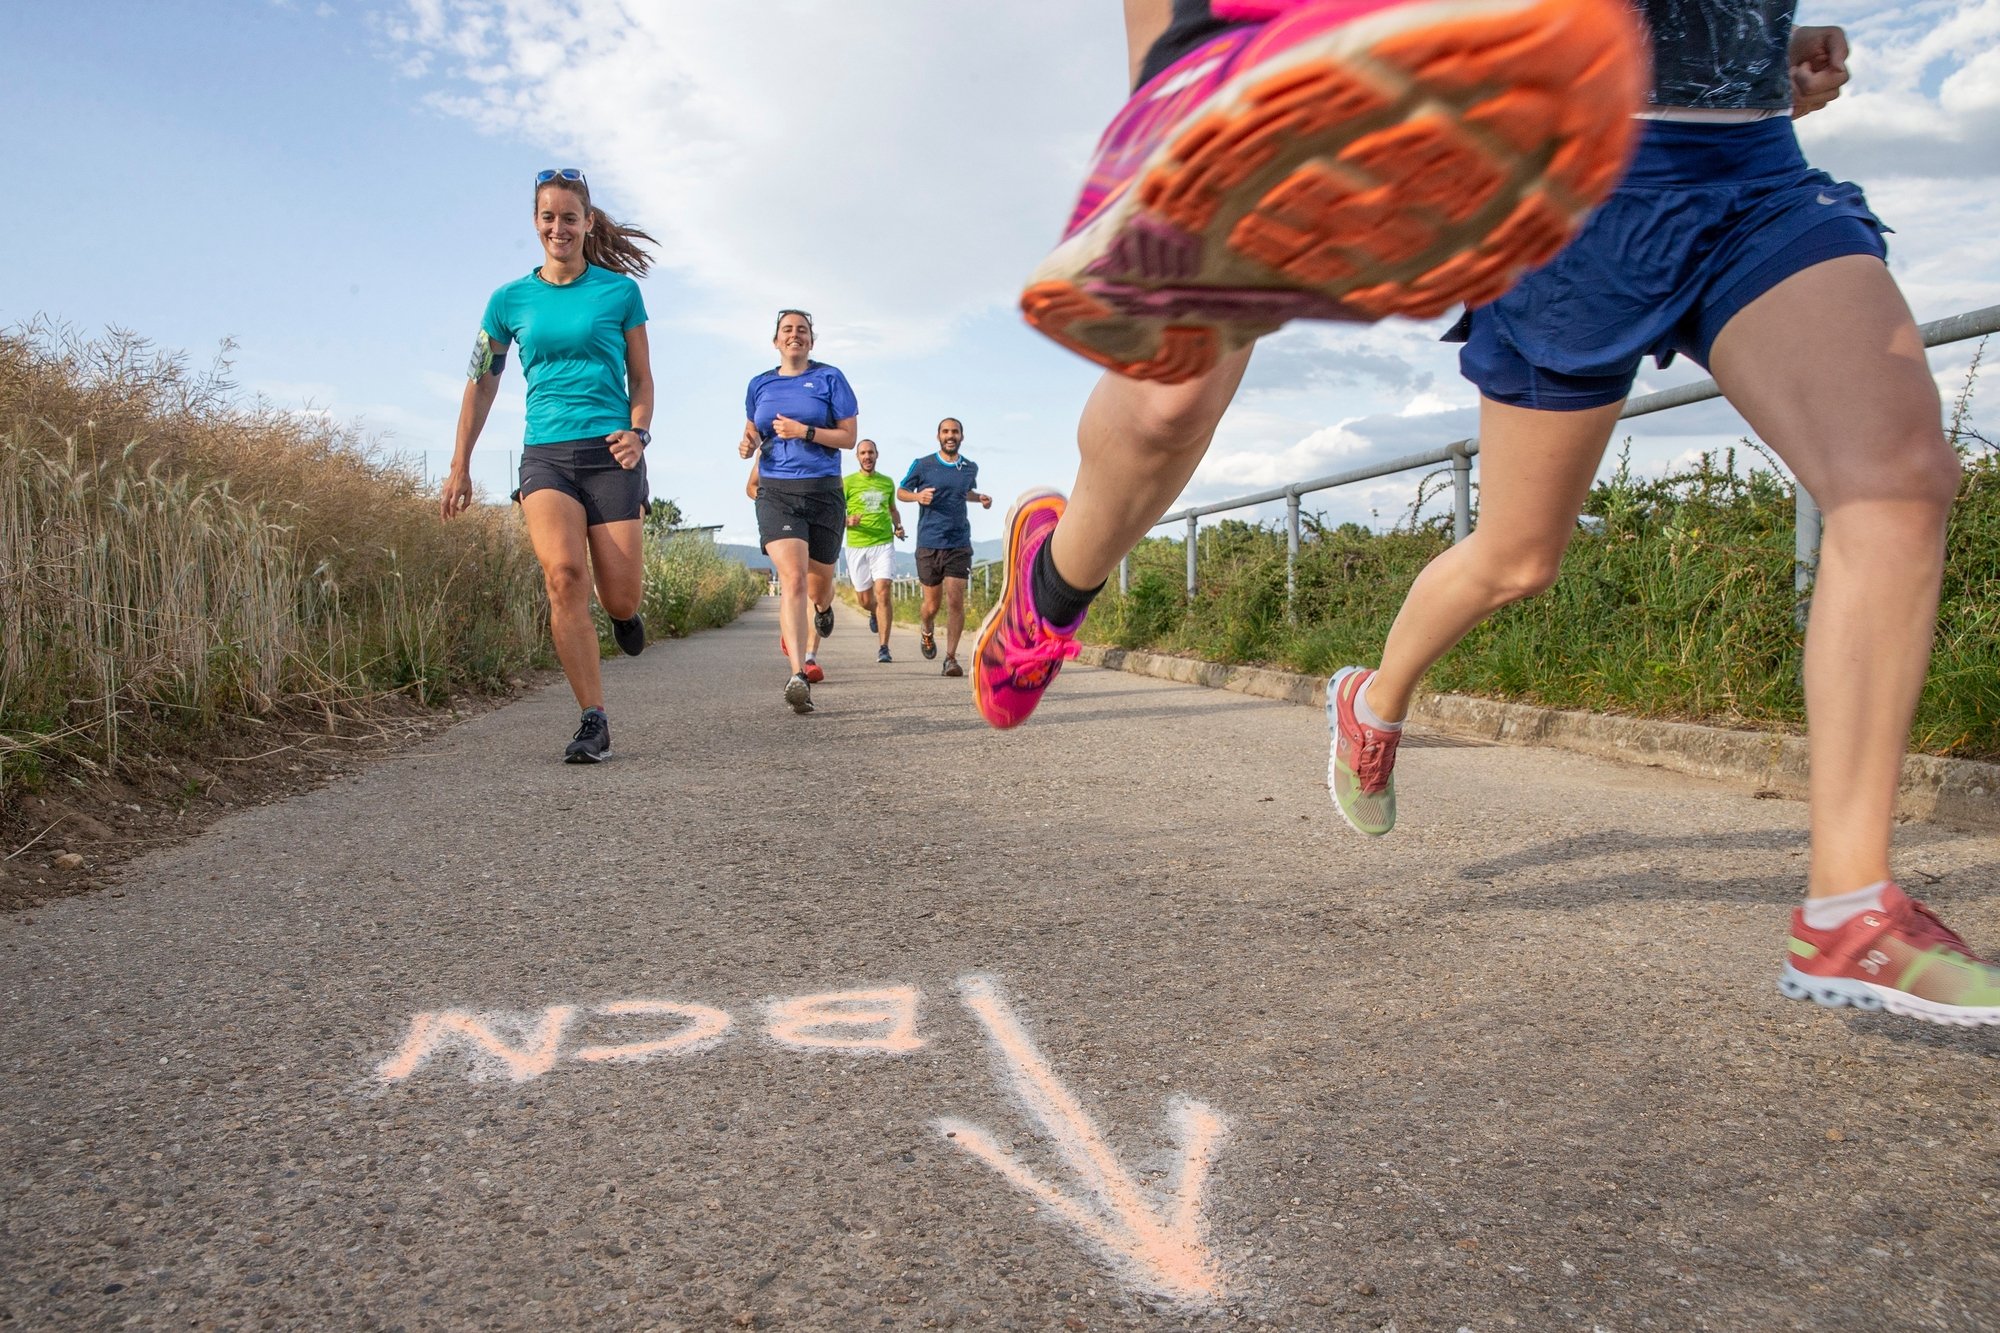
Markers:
point(869, 495)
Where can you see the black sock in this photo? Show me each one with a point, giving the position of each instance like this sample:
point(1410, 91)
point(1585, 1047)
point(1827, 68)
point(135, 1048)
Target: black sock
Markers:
point(1191, 25)
point(1057, 602)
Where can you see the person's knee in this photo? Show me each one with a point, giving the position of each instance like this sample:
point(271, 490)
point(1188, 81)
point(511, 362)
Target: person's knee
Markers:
point(619, 603)
point(568, 583)
point(1518, 573)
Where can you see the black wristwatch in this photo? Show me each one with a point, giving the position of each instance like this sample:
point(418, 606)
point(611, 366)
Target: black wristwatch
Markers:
point(810, 432)
point(645, 436)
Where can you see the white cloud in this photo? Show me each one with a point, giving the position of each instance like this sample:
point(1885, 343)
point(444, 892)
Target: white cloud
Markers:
point(894, 173)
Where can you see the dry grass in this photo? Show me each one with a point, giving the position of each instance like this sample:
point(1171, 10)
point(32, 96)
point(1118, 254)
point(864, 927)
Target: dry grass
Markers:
point(169, 555)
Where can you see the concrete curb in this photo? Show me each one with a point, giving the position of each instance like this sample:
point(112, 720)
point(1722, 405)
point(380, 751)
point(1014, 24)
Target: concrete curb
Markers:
point(1953, 791)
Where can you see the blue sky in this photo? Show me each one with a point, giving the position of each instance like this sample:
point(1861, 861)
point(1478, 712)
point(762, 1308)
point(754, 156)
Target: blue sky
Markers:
point(337, 187)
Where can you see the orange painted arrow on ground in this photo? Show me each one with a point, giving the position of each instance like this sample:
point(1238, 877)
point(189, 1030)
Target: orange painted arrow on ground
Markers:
point(1158, 1244)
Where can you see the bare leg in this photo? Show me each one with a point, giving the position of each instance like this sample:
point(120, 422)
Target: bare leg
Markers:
point(1829, 370)
point(954, 614)
point(933, 596)
point(556, 530)
point(885, 609)
point(1535, 469)
point(819, 586)
point(617, 563)
point(1140, 443)
point(788, 558)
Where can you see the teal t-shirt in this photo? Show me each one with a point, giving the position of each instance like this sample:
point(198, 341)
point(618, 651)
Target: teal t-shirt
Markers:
point(869, 495)
point(570, 341)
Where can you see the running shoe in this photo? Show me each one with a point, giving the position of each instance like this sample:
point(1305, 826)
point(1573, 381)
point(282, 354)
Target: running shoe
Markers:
point(1340, 159)
point(813, 673)
point(1017, 653)
point(882, 654)
point(873, 628)
point(631, 635)
point(592, 742)
point(1899, 957)
point(1361, 760)
point(823, 620)
point(951, 666)
point(799, 694)
point(927, 644)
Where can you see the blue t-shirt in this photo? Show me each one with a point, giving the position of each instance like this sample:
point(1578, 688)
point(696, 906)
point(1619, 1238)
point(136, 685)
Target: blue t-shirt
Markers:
point(942, 523)
point(819, 397)
point(572, 350)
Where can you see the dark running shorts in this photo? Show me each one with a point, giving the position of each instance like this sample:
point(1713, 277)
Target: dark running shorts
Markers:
point(585, 471)
point(935, 564)
point(809, 509)
point(1708, 219)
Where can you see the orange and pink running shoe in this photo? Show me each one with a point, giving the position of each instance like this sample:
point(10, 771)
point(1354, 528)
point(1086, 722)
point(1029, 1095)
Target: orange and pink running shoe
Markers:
point(1898, 957)
point(1340, 159)
point(1017, 653)
point(1361, 760)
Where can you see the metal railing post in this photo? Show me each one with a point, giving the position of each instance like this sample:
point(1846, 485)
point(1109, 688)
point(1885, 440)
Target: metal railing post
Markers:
point(1190, 556)
point(1291, 557)
point(1461, 495)
point(1805, 550)
point(1124, 575)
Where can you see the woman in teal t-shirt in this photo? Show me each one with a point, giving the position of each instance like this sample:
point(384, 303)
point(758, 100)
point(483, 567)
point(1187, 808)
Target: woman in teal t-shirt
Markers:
point(581, 328)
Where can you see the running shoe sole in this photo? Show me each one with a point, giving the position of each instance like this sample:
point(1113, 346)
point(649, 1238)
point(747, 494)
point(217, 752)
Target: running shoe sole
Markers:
point(799, 695)
point(1842, 992)
point(630, 634)
point(927, 645)
point(991, 625)
point(1420, 157)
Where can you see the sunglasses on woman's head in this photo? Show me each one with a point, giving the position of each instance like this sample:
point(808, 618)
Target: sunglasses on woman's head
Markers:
point(800, 313)
point(547, 174)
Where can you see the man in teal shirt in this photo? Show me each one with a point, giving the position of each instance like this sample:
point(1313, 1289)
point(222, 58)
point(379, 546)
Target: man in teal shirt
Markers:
point(873, 523)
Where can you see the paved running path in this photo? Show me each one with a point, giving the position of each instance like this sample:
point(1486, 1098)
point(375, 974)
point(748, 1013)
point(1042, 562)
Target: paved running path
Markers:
point(877, 1019)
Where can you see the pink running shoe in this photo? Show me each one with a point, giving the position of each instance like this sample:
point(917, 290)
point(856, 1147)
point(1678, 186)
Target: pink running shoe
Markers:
point(1361, 764)
point(1017, 652)
point(1342, 159)
point(1898, 957)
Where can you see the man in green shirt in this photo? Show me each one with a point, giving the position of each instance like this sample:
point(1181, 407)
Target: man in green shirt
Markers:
point(873, 523)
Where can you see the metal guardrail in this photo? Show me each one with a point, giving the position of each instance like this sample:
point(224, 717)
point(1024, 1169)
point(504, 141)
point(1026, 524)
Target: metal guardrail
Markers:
point(1459, 454)
point(906, 585)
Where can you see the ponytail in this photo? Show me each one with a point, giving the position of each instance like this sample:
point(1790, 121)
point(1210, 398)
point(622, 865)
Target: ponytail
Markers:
point(614, 245)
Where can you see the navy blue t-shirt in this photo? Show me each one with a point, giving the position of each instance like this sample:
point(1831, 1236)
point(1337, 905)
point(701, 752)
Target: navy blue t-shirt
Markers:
point(819, 397)
point(942, 523)
point(1730, 54)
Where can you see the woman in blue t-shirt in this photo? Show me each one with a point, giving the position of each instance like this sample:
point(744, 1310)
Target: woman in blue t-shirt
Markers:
point(581, 327)
point(799, 416)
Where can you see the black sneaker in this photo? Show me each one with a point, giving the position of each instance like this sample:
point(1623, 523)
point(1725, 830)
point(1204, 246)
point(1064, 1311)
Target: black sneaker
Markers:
point(952, 668)
point(799, 694)
point(631, 635)
point(592, 744)
point(882, 654)
point(823, 621)
point(873, 628)
point(927, 645)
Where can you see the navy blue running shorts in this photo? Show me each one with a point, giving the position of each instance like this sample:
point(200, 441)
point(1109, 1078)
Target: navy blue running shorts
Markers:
point(1709, 218)
point(585, 471)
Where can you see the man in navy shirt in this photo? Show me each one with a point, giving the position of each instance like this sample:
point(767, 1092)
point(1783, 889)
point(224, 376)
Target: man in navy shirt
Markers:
point(941, 484)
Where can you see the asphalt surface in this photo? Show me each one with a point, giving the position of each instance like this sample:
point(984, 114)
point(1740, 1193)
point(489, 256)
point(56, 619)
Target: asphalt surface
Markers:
point(1137, 1035)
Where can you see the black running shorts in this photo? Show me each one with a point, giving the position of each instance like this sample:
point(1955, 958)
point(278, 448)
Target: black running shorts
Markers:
point(809, 509)
point(935, 564)
point(585, 471)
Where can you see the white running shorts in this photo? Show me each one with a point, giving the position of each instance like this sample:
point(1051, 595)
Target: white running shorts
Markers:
point(865, 564)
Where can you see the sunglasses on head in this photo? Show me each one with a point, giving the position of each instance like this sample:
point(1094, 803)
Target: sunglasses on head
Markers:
point(800, 313)
point(571, 174)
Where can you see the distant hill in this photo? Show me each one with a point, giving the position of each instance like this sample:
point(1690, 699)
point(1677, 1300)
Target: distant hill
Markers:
point(906, 560)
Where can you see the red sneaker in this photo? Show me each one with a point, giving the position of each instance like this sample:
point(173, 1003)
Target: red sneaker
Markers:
point(813, 674)
point(1340, 159)
point(1899, 957)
